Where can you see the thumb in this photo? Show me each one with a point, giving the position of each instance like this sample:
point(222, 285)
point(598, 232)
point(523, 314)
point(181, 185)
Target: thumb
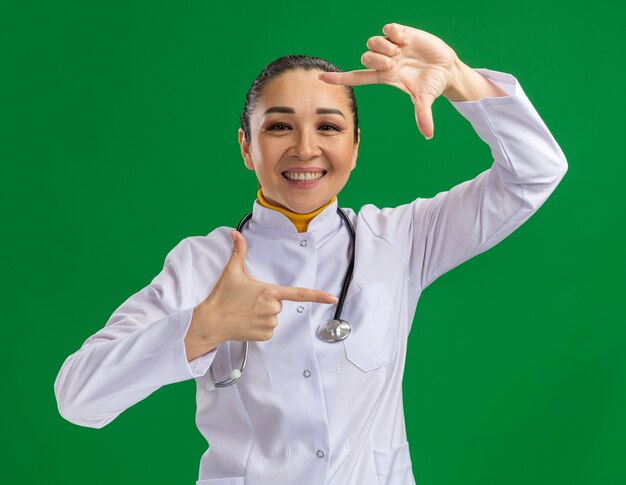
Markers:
point(238, 253)
point(424, 114)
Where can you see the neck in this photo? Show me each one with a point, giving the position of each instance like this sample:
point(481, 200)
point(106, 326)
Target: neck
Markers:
point(301, 221)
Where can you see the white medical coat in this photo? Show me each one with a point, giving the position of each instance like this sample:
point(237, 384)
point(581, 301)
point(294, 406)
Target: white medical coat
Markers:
point(306, 411)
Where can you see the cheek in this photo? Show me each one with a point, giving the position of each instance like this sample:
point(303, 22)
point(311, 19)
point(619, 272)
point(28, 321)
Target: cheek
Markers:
point(346, 157)
point(270, 149)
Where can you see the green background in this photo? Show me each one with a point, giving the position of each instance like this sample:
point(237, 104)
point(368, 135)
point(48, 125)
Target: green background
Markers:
point(119, 139)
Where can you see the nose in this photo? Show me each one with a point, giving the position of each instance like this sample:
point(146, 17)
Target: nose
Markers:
point(306, 145)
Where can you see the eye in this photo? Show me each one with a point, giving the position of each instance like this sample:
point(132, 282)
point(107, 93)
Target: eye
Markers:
point(283, 127)
point(275, 125)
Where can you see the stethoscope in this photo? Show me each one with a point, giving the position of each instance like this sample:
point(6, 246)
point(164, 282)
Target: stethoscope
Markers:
point(333, 330)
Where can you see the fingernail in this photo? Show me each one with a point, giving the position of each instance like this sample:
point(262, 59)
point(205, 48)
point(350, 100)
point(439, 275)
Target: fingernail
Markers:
point(333, 299)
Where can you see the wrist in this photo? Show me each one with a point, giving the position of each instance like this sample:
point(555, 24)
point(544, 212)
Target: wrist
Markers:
point(468, 85)
point(453, 88)
point(456, 90)
point(201, 330)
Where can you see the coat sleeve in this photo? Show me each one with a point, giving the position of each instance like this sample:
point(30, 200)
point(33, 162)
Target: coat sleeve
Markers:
point(437, 234)
point(140, 349)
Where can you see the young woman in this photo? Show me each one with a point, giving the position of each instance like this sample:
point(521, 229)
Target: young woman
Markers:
point(320, 398)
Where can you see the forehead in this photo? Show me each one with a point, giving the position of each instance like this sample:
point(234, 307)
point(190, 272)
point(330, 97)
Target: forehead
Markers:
point(304, 92)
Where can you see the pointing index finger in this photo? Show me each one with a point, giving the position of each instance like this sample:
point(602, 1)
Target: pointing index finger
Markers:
point(351, 78)
point(302, 294)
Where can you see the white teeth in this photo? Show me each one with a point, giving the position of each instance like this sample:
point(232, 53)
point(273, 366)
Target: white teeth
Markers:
point(303, 176)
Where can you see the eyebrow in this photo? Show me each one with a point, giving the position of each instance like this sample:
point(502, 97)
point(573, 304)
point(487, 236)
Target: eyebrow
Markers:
point(319, 111)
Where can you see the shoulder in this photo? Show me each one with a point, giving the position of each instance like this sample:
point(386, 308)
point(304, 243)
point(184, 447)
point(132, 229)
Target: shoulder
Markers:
point(214, 240)
point(212, 251)
point(191, 248)
point(380, 219)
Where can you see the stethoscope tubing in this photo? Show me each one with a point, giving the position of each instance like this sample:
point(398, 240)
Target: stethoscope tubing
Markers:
point(236, 373)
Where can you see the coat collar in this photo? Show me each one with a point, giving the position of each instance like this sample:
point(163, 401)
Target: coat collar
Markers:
point(264, 217)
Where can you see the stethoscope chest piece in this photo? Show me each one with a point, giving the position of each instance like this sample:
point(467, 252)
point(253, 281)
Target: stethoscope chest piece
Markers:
point(333, 330)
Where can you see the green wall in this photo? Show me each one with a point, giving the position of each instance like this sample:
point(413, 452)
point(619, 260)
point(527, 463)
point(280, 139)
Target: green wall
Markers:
point(119, 139)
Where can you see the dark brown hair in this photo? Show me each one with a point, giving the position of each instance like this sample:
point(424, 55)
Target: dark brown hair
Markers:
point(285, 64)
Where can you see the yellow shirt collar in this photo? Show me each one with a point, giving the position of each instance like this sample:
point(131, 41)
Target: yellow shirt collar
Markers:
point(301, 221)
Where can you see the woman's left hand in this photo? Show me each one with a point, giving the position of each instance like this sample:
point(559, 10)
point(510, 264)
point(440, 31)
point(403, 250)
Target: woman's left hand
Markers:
point(412, 60)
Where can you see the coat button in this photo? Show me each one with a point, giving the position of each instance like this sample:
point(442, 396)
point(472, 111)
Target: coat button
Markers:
point(300, 309)
point(307, 373)
point(303, 243)
point(320, 454)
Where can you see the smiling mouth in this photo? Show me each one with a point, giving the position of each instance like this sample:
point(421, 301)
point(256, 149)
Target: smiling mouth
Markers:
point(304, 176)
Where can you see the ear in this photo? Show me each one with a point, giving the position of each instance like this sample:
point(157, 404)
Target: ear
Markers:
point(245, 149)
point(355, 152)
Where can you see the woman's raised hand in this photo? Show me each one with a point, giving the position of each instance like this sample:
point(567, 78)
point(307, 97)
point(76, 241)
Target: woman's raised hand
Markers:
point(241, 308)
point(412, 60)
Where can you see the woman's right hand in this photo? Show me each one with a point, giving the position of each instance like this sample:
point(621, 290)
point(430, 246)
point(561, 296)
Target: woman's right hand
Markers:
point(241, 308)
